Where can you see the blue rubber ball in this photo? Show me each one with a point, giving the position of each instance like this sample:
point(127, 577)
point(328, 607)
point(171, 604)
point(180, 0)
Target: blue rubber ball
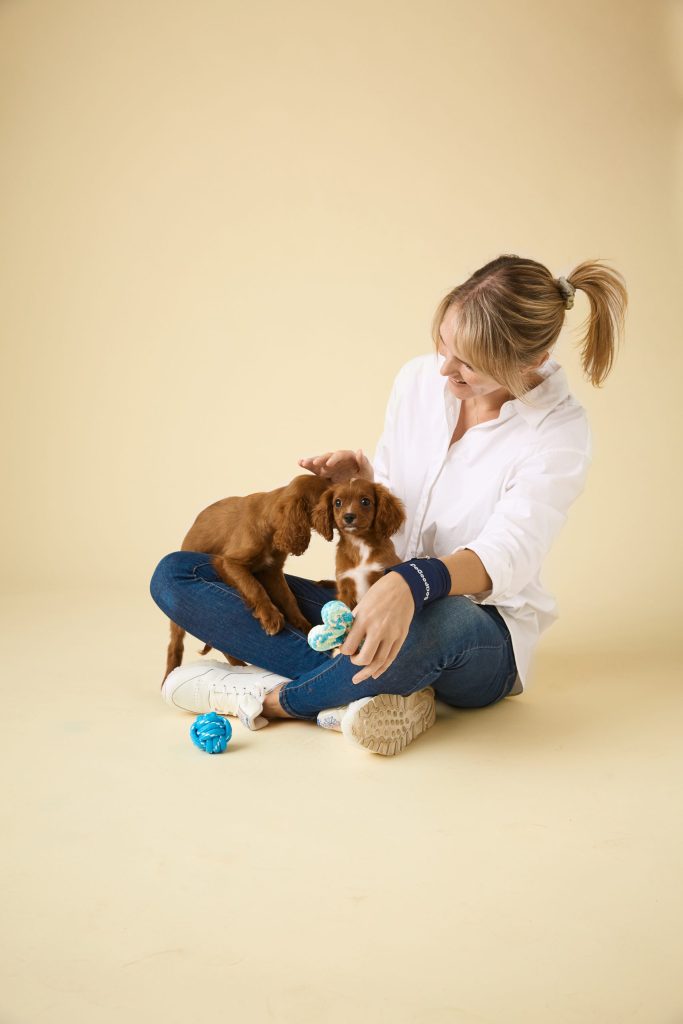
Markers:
point(211, 732)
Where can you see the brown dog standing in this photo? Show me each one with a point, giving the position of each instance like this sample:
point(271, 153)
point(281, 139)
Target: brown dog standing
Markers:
point(250, 538)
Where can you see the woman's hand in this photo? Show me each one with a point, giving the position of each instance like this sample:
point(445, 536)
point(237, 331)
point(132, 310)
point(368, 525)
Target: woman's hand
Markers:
point(382, 620)
point(339, 467)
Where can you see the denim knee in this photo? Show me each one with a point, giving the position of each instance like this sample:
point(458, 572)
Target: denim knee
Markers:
point(163, 580)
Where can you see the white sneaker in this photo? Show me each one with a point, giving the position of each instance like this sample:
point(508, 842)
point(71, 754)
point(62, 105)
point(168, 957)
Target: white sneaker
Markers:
point(387, 723)
point(331, 718)
point(212, 685)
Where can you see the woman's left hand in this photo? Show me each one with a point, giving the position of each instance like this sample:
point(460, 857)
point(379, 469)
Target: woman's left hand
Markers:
point(382, 620)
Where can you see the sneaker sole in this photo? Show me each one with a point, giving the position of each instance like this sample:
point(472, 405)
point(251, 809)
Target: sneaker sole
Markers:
point(389, 722)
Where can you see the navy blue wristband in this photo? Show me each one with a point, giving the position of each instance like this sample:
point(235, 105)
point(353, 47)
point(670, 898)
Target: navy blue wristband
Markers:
point(428, 579)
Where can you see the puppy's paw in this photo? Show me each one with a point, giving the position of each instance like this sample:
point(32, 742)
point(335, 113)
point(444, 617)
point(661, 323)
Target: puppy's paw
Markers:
point(272, 621)
point(301, 623)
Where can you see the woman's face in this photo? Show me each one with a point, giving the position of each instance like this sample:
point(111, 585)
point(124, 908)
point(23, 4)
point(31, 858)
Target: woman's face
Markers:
point(462, 379)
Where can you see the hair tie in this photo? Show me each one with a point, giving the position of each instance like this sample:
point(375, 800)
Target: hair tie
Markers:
point(568, 290)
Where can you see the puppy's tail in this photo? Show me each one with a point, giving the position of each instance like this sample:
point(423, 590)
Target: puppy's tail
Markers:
point(229, 657)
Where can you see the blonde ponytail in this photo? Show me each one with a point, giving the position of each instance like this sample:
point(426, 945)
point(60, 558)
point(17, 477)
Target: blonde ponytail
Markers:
point(608, 299)
point(511, 311)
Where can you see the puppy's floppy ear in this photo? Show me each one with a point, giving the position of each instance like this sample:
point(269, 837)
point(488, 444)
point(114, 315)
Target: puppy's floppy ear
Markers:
point(322, 517)
point(291, 517)
point(390, 515)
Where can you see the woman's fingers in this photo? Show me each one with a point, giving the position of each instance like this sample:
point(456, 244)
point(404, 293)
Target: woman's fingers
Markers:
point(387, 656)
point(382, 620)
point(338, 466)
point(324, 463)
point(345, 465)
point(380, 664)
point(391, 657)
point(354, 638)
point(364, 465)
point(338, 459)
point(374, 663)
point(368, 653)
point(316, 463)
point(374, 669)
point(308, 462)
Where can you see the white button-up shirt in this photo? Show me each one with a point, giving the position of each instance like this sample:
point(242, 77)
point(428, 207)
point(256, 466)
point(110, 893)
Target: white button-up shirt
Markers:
point(503, 490)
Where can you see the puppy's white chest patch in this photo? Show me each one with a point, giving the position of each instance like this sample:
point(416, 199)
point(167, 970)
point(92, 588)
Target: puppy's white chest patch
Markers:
point(360, 574)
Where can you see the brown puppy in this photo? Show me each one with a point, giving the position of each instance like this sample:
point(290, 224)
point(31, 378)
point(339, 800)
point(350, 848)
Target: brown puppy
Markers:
point(250, 538)
point(366, 514)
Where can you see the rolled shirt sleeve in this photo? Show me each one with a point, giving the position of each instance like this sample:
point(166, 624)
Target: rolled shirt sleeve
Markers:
point(526, 520)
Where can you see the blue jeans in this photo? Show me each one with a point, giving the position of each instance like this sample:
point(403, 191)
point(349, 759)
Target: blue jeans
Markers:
point(460, 648)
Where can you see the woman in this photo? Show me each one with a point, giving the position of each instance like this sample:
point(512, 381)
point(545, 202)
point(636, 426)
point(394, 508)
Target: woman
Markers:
point(487, 449)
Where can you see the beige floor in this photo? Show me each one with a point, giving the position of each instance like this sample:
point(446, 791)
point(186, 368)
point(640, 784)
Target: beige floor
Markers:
point(516, 864)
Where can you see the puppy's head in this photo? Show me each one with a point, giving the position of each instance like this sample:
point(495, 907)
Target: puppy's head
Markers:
point(358, 508)
point(293, 511)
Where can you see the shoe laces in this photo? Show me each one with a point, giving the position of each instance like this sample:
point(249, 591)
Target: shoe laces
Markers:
point(225, 695)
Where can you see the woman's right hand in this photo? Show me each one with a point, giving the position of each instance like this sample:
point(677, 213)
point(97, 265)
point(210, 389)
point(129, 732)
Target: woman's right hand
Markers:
point(339, 467)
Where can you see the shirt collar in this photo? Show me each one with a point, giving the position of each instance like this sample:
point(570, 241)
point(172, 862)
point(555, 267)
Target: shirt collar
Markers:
point(541, 400)
point(546, 396)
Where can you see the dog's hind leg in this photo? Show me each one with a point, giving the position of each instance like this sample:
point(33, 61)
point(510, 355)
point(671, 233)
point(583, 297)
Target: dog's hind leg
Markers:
point(174, 654)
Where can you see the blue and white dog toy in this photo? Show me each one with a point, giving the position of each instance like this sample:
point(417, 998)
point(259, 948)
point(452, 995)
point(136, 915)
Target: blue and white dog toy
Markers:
point(337, 621)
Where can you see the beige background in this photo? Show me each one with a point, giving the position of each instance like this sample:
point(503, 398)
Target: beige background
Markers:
point(224, 226)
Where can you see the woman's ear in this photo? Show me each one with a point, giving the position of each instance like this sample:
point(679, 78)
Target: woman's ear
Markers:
point(292, 526)
point(322, 518)
point(390, 512)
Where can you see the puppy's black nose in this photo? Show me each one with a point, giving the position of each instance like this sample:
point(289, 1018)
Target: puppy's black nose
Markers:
point(349, 517)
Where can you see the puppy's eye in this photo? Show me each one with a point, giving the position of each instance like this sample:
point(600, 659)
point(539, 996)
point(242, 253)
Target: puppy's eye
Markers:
point(365, 501)
point(337, 502)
